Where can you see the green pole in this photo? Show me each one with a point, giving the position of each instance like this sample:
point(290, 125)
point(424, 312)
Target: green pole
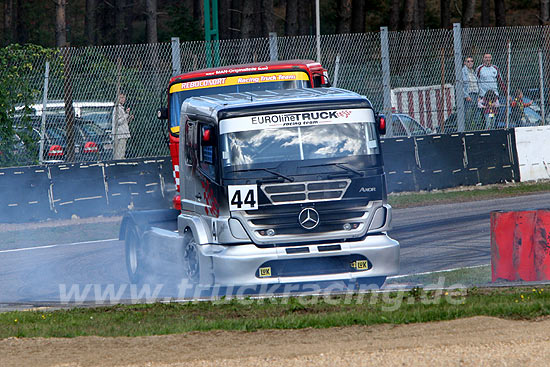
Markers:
point(211, 32)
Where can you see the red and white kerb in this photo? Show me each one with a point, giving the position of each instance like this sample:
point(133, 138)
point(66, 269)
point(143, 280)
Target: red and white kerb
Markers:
point(176, 174)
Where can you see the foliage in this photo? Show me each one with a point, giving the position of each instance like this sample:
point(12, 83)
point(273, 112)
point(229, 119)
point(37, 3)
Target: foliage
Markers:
point(18, 69)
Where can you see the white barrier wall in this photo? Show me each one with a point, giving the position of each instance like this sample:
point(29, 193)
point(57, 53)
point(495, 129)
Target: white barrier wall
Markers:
point(533, 147)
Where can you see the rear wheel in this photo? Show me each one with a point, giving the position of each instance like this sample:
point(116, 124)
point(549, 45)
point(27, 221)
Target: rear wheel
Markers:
point(134, 254)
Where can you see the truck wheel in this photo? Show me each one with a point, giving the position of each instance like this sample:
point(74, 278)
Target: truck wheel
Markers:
point(191, 266)
point(134, 254)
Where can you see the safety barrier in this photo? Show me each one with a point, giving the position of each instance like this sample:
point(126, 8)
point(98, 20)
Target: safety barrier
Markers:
point(442, 161)
point(85, 190)
point(520, 245)
point(112, 187)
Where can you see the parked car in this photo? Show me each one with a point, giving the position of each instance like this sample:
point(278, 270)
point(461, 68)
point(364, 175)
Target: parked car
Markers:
point(405, 125)
point(91, 142)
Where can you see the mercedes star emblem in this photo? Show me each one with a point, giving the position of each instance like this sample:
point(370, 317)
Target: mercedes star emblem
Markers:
point(308, 218)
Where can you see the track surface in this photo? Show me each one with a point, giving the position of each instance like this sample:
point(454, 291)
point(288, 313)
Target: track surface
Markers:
point(432, 238)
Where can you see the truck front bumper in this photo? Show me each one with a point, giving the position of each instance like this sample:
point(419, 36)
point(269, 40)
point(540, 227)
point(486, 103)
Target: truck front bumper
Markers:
point(376, 256)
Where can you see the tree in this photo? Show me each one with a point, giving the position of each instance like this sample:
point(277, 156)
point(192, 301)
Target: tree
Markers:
point(344, 16)
point(267, 21)
point(485, 9)
point(410, 12)
point(247, 21)
point(394, 14)
point(500, 13)
point(90, 22)
point(151, 20)
point(445, 13)
point(544, 12)
point(120, 20)
point(304, 19)
point(468, 10)
point(420, 14)
point(358, 16)
point(60, 23)
point(291, 18)
point(10, 21)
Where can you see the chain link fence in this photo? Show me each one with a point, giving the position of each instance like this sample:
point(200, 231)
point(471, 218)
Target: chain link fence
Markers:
point(426, 81)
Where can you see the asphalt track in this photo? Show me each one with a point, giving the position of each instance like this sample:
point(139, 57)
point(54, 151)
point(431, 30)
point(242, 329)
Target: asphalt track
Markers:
point(432, 238)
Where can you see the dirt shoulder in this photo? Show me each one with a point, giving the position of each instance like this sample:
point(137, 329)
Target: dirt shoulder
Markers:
point(478, 341)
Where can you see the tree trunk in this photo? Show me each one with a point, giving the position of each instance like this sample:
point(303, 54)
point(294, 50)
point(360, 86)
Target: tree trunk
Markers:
point(10, 21)
point(291, 18)
point(445, 14)
point(151, 20)
point(500, 13)
point(224, 18)
point(420, 14)
point(236, 15)
point(120, 6)
point(358, 16)
point(198, 12)
point(60, 23)
point(468, 10)
point(485, 10)
point(408, 18)
point(129, 22)
point(304, 19)
point(344, 16)
point(394, 14)
point(268, 22)
point(90, 22)
point(544, 12)
point(247, 23)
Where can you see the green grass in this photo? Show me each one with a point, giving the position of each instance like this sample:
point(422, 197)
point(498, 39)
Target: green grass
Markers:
point(416, 305)
point(473, 276)
point(464, 194)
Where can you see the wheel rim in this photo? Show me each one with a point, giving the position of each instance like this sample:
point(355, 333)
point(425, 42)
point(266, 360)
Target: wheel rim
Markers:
point(192, 260)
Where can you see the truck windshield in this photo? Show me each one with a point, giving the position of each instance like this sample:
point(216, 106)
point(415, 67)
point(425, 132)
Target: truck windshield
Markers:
point(236, 84)
point(321, 140)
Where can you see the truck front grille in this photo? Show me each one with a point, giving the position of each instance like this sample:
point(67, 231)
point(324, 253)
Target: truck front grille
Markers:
point(305, 192)
point(279, 222)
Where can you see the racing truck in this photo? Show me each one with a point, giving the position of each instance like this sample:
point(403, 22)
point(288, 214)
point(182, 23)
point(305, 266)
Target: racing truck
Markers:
point(277, 187)
point(272, 75)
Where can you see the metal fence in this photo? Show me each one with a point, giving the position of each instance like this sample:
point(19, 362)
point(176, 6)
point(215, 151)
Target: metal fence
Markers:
point(415, 77)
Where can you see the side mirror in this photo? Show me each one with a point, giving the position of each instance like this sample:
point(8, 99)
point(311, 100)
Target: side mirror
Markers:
point(162, 113)
point(381, 124)
point(207, 136)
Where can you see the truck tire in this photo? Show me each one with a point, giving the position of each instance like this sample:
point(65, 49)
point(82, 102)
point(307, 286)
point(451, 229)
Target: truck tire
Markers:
point(135, 262)
point(191, 264)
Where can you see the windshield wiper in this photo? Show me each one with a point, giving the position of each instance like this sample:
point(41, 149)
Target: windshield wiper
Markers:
point(291, 179)
point(343, 166)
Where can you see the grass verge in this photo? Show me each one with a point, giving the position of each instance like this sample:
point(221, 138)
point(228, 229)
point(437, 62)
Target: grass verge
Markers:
point(416, 305)
point(472, 276)
point(465, 194)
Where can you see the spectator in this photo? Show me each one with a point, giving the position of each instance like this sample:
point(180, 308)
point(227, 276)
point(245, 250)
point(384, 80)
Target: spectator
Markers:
point(517, 109)
point(471, 93)
point(488, 75)
point(120, 128)
point(489, 106)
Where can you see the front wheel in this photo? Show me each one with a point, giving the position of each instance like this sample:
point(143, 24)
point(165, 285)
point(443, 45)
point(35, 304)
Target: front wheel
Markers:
point(135, 263)
point(191, 265)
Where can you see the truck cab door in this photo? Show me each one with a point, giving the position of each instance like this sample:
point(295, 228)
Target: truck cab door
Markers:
point(188, 166)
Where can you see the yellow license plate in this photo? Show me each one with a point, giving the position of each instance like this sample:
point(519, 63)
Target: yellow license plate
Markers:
point(360, 264)
point(265, 272)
